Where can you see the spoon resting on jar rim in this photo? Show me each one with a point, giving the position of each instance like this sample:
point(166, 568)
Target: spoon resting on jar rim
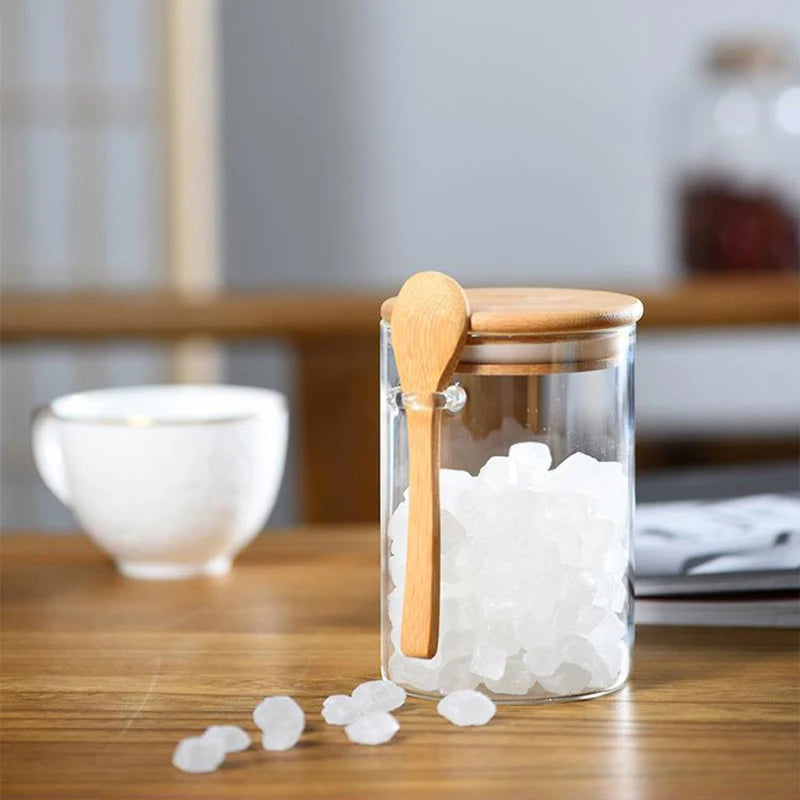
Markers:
point(429, 327)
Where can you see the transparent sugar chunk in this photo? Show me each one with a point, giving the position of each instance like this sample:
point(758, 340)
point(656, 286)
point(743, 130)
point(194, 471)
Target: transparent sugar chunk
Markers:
point(615, 559)
point(398, 531)
point(578, 650)
point(543, 592)
point(452, 484)
point(611, 661)
point(580, 586)
point(542, 660)
point(379, 696)
point(279, 710)
point(534, 456)
point(199, 754)
point(516, 679)
point(565, 615)
point(448, 569)
point(488, 661)
point(502, 636)
point(234, 739)
point(397, 570)
point(457, 589)
point(456, 675)
point(373, 728)
point(514, 513)
point(589, 617)
point(569, 544)
point(533, 632)
point(604, 482)
point(530, 632)
point(281, 720)
point(452, 532)
point(467, 565)
point(500, 472)
point(502, 607)
point(395, 604)
point(568, 509)
point(457, 644)
point(609, 630)
point(567, 679)
point(610, 488)
point(605, 665)
point(474, 510)
point(597, 537)
point(340, 709)
point(461, 614)
point(578, 467)
point(280, 739)
point(541, 553)
point(420, 673)
point(466, 707)
point(612, 592)
point(499, 581)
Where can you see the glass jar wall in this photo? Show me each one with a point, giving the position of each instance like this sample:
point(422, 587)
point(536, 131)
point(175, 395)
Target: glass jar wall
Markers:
point(536, 492)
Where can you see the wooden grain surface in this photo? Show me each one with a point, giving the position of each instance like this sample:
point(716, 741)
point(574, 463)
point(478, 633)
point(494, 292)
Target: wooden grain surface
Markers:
point(102, 675)
point(296, 315)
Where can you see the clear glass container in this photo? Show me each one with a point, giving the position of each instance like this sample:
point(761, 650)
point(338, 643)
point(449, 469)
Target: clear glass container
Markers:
point(737, 154)
point(536, 497)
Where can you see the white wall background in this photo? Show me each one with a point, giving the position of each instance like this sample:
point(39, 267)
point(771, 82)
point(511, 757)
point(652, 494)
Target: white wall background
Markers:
point(502, 141)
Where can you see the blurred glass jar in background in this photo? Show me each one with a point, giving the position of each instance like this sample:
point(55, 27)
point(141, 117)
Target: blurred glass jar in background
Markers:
point(739, 161)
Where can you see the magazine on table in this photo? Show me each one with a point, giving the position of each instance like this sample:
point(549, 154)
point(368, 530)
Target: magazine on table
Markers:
point(719, 562)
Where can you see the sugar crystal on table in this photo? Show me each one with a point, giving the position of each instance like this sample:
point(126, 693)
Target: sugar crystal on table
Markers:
point(281, 720)
point(199, 754)
point(340, 709)
point(534, 573)
point(279, 739)
point(379, 696)
point(466, 707)
point(372, 728)
point(233, 738)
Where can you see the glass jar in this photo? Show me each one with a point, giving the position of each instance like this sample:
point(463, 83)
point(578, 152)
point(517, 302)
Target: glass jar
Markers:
point(536, 497)
point(738, 161)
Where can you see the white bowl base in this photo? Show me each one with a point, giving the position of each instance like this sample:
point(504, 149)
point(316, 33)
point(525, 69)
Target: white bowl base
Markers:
point(159, 571)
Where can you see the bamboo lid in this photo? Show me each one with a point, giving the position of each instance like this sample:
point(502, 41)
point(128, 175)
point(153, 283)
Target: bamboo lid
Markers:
point(544, 311)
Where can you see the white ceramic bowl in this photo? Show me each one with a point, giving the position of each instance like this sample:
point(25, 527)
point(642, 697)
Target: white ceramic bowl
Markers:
point(171, 481)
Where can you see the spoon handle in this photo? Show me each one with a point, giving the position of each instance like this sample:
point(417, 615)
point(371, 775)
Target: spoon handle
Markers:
point(419, 635)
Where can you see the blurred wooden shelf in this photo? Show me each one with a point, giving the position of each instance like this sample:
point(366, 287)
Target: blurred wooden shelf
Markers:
point(334, 337)
point(27, 316)
point(127, 315)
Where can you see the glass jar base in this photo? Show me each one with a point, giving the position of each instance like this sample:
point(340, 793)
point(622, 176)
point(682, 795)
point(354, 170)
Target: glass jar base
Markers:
point(522, 699)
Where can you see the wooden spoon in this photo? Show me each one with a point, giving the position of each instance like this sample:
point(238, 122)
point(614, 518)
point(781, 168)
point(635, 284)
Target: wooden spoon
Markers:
point(429, 327)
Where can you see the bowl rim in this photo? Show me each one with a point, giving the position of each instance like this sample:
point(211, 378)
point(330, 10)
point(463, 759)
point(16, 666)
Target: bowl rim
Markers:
point(275, 402)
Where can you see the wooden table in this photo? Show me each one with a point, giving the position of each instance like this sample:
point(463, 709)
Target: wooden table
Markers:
point(102, 676)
